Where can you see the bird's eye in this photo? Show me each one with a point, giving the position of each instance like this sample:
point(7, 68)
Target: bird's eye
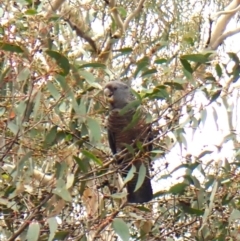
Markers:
point(114, 88)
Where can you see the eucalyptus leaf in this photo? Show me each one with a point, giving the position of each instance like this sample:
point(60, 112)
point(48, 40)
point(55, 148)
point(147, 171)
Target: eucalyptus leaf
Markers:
point(50, 137)
point(94, 129)
point(92, 157)
point(53, 90)
point(33, 231)
point(121, 229)
point(24, 74)
point(141, 176)
point(119, 195)
point(53, 225)
point(61, 61)
point(130, 174)
point(10, 47)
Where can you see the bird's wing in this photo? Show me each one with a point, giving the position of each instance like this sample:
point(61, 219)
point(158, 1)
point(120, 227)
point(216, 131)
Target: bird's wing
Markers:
point(112, 141)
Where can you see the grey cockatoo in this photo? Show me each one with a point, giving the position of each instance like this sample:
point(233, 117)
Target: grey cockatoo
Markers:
point(120, 134)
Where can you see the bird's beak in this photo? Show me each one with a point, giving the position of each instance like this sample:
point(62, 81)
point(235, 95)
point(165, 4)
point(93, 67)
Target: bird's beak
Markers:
point(109, 95)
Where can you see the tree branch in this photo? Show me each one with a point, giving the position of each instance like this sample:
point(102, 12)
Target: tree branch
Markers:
point(83, 35)
point(53, 7)
point(116, 16)
point(220, 39)
point(225, 12)
point(133, 14)
point(222, 22)
point(104, 55)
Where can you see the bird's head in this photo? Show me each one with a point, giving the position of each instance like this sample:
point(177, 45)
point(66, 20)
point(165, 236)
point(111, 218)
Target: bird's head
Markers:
point(117, 94)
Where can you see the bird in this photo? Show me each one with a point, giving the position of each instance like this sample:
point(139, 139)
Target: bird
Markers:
point(121, 133)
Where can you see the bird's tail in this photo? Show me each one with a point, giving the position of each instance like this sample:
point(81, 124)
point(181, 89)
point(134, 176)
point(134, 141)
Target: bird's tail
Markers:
point(144, 193)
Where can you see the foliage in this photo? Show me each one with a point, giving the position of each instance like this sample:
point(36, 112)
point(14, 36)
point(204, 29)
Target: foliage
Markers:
point(58, 178)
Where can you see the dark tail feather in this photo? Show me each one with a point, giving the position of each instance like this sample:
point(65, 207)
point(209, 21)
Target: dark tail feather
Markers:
point(143, 194)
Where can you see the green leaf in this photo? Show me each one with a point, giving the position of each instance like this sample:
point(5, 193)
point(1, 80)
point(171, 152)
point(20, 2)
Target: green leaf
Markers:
point(53, 91)
point(186, 65)
point(61, 235)
point(20, 109)
point(13, 127)
point(189, 40)
point(121, 229)
point(33, 231)
point(60, 170)
point(10, 47)
point(50, 137)
point(125, 50)
point(148, 72)
point(93, 65)
point(235, 214)
point(53, 225)
point(1, 12)
point(158, 151)
point(119, 195)
point(141, 176)
point(136, 94)
point(94, 129)
point(160, 61)
point(141, 64)
point(159, 92)
point(202, 154)
point(92, 157)
point(144, 209)
point(83, 165)
point(61, 61)
point(139, 145)
point(199, 58)
point(61, 189)
point(234, 57)
point(25, 158)
point(214, 96)
point(130, 106)
point(187, 74)
point(82, 110)
point(236, 73)
point(218, 70)
point(191, 167)
point(89, 77)
point(187, 209)
point(136, 117)
point(122, 11)
point(178, 188)
point(130, 174)
point(37, 104)
point(129, 148)
point(31, 12)
point(174, 85)
point(24, 74)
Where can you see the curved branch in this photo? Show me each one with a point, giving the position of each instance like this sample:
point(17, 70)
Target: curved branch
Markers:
point(220, 39)
point(83, 35)
point(116, 16)
point(222, 23)
point(134, 14)
point(225, 12)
